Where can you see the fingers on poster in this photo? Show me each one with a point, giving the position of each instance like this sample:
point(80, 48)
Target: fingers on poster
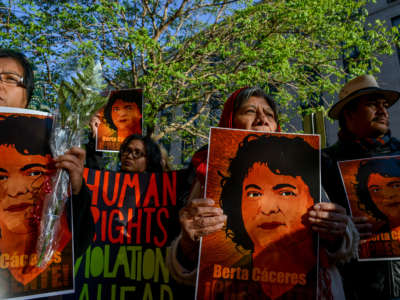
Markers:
point(373, 190)
point(265, 183)
point(121, 117)
point(25, 171)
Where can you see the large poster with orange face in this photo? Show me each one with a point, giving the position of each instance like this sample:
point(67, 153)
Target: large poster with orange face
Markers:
point(265, 183)
point(373, 191)
point(121, 117)
point(25, 170)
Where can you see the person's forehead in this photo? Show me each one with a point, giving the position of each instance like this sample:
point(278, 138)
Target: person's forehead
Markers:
point(9, 64)
point(255, 100)
point(372, 98)
point(136, 144)
point(120, 101)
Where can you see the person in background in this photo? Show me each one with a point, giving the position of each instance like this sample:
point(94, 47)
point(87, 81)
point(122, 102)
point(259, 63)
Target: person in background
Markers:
point(362, 112)
point(140, 154)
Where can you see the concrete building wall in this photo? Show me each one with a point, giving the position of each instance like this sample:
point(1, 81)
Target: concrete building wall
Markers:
point(389, 77)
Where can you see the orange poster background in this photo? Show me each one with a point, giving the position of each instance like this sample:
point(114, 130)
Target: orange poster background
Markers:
point(19, 275)
point(216, 247)
point(107, 138)
point(379, 246)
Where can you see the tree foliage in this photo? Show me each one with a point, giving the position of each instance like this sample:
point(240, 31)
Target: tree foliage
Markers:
point(189, 55)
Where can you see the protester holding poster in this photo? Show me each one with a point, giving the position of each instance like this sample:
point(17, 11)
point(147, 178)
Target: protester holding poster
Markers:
point(266, 195)
point(362, 111)
point(17, 84)
point(16, 88)
point(373, 190)
point(252, 109)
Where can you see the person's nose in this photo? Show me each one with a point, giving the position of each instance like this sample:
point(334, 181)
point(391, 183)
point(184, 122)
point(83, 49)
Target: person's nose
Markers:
point(270, 208)
point(16, 187)
point(261, 118)
point(382, 110)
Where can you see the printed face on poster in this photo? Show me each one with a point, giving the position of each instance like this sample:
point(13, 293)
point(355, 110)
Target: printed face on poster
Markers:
point(25, 170)
point(121, 117)
point(373, 191)
point(265, 183)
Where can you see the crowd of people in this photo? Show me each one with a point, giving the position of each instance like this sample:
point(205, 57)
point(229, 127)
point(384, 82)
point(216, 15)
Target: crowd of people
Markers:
point(362, 112)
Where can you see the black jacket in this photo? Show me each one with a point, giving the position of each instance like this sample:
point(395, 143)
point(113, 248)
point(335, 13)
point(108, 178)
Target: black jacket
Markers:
point(361, 280)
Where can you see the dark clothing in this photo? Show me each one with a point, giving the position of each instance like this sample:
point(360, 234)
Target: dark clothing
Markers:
point(94, 159)
point(82, 220)
point(361, 280)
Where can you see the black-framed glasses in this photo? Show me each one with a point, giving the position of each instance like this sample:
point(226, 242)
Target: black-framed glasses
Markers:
point(136, 153)
point(11, 79)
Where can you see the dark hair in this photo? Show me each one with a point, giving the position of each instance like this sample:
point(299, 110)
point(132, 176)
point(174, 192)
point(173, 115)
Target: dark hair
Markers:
point(26, 134)
point(133, 96)
point(153, 153)
point(385, 167)
point(283, 156)
point(248, 92)
point(28, 71)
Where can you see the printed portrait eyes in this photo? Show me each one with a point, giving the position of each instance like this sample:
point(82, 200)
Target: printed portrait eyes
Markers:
point(395, 184)
point(375, 189)
point(3, 177)
point(253, 194)
point(287, 193)
point(35, 173)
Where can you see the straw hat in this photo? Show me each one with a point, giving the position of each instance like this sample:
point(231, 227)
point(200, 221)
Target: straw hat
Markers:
point(359, 86)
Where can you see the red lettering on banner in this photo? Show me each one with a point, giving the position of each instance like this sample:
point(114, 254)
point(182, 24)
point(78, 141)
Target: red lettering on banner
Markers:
point(169, 188)
point(93, 187)
point(103, 225)
point(131, 225)
point(132, 182)
point(152, 192)
point(120, 229)
point(105, 189)
point(157, 242)
point(149, 211)
point(96, 216)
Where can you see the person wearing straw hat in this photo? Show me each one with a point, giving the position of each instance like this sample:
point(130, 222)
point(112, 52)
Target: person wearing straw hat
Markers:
point(362, 112)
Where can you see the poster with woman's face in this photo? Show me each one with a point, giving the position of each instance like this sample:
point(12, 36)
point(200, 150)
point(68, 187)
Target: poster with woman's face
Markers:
point(373, 191)
point(121, 117)
point(265, 183)
point(26, 167)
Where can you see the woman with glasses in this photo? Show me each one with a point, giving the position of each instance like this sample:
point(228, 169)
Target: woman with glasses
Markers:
point(16, 79)
point(140, 154)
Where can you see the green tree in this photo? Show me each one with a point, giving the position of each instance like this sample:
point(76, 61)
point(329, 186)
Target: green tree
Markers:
point(189, 55)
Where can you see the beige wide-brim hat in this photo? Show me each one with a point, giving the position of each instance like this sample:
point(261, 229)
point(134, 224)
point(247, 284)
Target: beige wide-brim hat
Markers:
point(359, 86)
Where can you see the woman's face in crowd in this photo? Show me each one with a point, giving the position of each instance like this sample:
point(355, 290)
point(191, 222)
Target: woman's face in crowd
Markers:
point(385, 193)
point(255, 114)
point(125, 114)
point(14, 96)
point(21, 177)
point(273, 208)
point(133, 159)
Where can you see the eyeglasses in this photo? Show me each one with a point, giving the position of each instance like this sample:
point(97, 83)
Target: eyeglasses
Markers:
point(11, 79)
point(136, 153)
